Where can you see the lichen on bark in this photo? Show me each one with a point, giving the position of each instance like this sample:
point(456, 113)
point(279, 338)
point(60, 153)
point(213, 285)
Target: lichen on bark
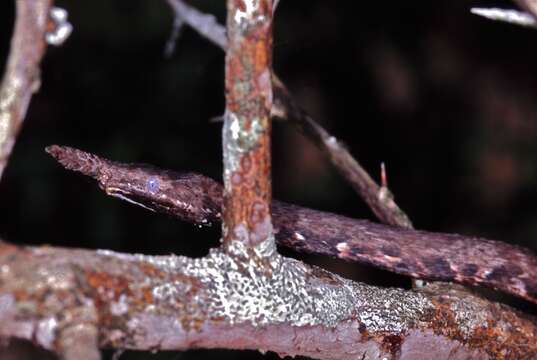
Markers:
point(247, 127)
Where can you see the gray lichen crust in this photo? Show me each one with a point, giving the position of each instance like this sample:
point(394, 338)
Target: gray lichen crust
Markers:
point(238, 141)
point(283, 290)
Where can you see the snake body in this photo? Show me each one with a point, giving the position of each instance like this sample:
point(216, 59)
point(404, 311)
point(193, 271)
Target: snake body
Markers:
point(419, 254)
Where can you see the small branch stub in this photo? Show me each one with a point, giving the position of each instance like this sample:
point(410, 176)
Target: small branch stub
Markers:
point(61, 27)
point(246, 132)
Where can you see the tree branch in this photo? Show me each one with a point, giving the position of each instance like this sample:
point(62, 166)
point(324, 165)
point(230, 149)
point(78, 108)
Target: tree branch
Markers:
point(247, 127)
point(72, 301)
point(380, 200)
point(198, 199)
point(169, 302)
point(528, 5)
point(205, 24)
point(21, 78)
point(506, 15)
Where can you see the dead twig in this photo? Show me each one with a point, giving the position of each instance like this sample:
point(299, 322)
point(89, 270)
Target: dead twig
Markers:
point(21, 78)
point(529, 6)
point(379, 200)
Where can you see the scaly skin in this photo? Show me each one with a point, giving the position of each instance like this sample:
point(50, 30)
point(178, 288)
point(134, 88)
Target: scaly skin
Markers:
point(419, 254)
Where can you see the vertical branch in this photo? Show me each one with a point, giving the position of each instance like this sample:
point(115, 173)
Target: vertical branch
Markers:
point(246, 132)
point(21, 78)
point(379, 199)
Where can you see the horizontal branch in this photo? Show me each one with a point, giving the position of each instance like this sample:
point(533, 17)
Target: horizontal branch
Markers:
point(52, 295)
point(506, 15)
point(198, 199)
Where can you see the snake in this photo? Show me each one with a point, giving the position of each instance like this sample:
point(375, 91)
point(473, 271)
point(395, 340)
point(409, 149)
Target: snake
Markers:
point(197, 199)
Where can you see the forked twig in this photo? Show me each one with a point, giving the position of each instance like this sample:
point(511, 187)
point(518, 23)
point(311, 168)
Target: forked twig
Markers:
point(285, 107)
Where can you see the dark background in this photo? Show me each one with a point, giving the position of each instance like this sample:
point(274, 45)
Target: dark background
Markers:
point(446, 99)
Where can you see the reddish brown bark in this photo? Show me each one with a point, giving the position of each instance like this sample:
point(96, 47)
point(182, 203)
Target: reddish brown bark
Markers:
point(247, 127)
point(285, 107)
point(68, 299)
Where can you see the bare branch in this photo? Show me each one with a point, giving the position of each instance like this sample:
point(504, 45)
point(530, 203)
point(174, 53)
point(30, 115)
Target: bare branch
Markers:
point(285, 107)
point(21, 78)
point(509, 16)
point(168, 302)
point(247, 126)
point(379, 200)
point(198, 199)
point(275, 6)
point(205, 24)
point(528, 5)
point(177, 26)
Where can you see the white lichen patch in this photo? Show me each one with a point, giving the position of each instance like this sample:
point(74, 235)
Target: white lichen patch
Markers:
point(342, 247)
point(243, 291)
point(120, 307)
point(331, 141)
point(238, 141)
point(56, 278)
point(45, 333)
point(392, 310)
point(171, 291)
point(469, 315)
point(260, 287)
point(62, 28)
point(248, 13)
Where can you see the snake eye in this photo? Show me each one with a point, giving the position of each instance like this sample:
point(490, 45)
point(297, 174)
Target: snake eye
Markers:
point(152, 185)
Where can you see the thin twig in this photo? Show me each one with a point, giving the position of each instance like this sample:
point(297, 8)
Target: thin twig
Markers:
point(528, 5)
point(176, 303)
point(275, 5)
point(285, 107)
point(21, 78)
point(505, 15)
point(379, 199)
point(205, 24)
point(177, 26)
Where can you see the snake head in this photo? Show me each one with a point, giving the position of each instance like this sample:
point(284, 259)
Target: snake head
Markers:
point(183, 195)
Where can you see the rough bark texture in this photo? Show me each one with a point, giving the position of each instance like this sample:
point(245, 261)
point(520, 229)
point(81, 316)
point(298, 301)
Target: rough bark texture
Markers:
point(246, 131)
point(73, 301)
point(150, 303)
point(420, 254)
point(380, 200)
point(21, 78)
